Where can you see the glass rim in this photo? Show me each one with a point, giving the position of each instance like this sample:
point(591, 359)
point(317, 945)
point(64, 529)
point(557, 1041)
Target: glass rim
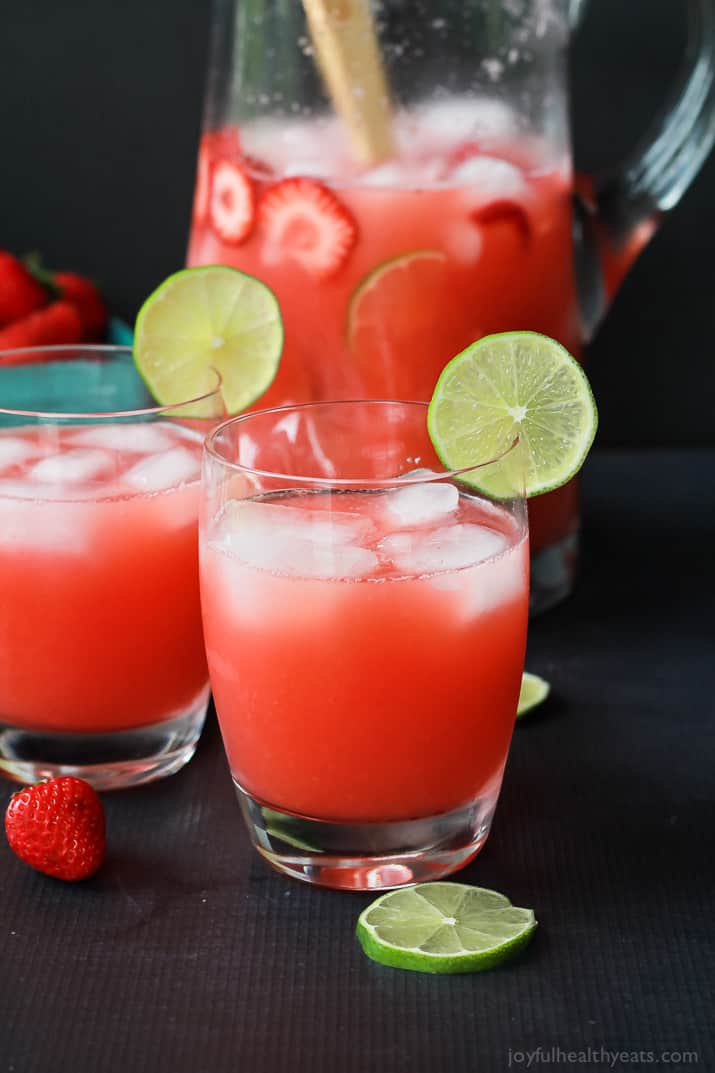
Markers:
point(211, 449)
point(101, 349)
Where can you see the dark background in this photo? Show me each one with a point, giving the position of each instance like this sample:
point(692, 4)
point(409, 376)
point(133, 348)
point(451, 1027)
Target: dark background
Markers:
point(101, 109)
point(186, 954)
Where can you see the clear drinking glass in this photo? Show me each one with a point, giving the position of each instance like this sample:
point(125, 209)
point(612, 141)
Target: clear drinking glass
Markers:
point(102, 666)
point(365, 619)
point(400, 174)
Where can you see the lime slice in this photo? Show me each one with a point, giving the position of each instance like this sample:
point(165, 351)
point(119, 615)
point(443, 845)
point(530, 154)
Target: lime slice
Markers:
point(277, 825)
point(403, 324)
point(514, 384)
point(207, 318)
point(534, 691)
point(443, 927)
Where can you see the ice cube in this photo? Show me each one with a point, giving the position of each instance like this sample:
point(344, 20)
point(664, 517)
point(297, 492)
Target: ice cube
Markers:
point(282, 553)
point(14, 450)
point(438, 128)
point(310, 169)
point(339, 561)
point(419, 504)
point(498, 582)
point(303, 148)
point(289, 540)
point(29, 523)
point(488, 177)
point(44, 492)
point(73, 467)
point(450, 548)
point(130, 437)
point(419, 471)
point(390, 174)
point(272, 520)
point(463, 242)
point(453, 122)
point(20, 490)
point(159, 472)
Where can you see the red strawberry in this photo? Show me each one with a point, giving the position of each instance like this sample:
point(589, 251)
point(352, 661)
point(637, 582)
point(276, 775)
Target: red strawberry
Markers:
point(222, 143)
point(59, 322)
point(232, 205)
point(257, 167)
point(203, 186)
point(20, 293)
point(304, 220)
point(57, 827)
point(505, 210)
point(87, 300)
point(464, 151)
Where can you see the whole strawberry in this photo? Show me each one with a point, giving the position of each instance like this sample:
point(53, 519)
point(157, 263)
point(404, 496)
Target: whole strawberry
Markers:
point(87, 300)
point(57, 323)
point(20, 292)
point(57, 827)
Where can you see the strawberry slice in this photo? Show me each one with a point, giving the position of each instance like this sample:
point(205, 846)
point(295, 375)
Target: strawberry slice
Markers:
point(505, 211)
point(222, 144)
point(202, 193)
point(464, 151)
point(304, 220)
point(232, 205)
point(257, 167)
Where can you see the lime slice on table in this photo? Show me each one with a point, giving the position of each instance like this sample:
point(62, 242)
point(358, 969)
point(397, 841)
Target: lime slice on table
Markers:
point(534, 691)
point(204, 318)
point(514, 384)
point(443, 927)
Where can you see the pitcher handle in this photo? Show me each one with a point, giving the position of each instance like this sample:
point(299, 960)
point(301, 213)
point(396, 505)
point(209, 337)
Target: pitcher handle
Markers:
point(617, 213)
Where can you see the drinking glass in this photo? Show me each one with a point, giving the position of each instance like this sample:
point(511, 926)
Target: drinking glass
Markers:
point(400, 174)
point(365, 617)
point(102, 666)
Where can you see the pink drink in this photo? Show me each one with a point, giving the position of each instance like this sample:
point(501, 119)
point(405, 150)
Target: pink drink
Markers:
point(366, 649)
point(100, 626)
point(472, 222)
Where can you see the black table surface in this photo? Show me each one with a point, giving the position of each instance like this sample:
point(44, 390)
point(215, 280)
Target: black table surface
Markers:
point(187, 954)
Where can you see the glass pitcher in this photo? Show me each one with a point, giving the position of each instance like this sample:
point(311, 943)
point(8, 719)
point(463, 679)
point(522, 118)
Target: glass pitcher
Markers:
point(399, 172)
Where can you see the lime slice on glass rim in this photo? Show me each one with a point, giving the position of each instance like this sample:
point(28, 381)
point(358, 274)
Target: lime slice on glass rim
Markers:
point(443, 928)
point(211, 317)
point(507, 386)
point(534, 691)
